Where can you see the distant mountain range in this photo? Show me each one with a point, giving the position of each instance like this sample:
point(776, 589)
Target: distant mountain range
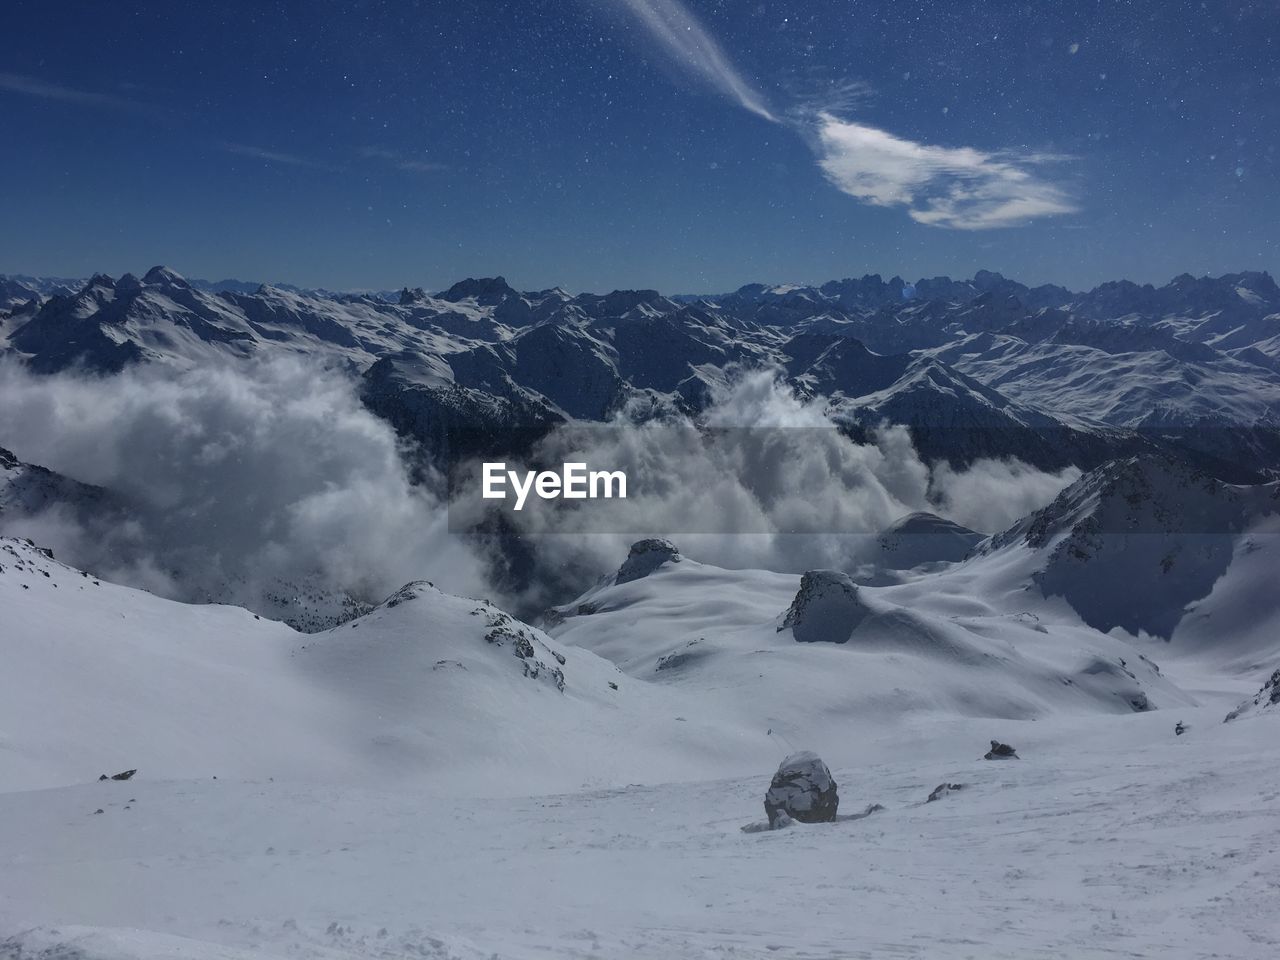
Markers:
point(979, 367)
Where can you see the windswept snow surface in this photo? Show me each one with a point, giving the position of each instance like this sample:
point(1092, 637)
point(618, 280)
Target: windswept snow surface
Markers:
point(444, 694)
point(437, 779)
point(1111, 837)
point(415, 783)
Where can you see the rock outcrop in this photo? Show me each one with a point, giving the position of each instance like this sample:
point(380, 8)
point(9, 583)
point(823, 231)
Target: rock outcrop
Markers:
point(826, 609)
point(645, 557)
point(1268, 699)
point(802, 790)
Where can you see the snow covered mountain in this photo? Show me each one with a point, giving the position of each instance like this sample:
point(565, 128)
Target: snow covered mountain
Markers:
point(975, 368)
point(810, 657)
point(445, 692)
point(1137, 543)
point(361, 792)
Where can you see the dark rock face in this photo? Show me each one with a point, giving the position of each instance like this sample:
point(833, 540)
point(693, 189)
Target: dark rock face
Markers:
point(1000, 751)
point(410, 591)
point(1265, 699)
point(826, 608)
point(803, 790)
point(645, 557)
point(505, 629)
point(485, 290)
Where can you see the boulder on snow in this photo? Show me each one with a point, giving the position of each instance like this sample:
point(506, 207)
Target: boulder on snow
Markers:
point(803, 790)
point(825, 609)
point(126, 775)
point(1000, 751)
point(645, 557)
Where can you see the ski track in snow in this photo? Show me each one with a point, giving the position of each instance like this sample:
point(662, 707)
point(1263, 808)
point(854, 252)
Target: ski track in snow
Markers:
point(1111, 838)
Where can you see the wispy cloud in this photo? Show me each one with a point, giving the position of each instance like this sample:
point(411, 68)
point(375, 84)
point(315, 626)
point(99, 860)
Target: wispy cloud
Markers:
point(403, 161)
point(957, 187)
point(962, 188)
point(683, 38)
point(274, 156)
point(35, 87)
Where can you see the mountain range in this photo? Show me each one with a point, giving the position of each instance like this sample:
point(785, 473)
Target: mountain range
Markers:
point(982, 367)
point(297, 763)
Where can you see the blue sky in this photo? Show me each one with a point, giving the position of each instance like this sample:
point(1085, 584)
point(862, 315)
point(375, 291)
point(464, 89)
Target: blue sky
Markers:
point(690, 146)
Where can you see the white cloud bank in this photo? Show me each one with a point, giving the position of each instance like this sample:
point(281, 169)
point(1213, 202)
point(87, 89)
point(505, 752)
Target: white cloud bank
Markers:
point(237, 478)
point(956, 187)
point(239, 481)
point(765, 479)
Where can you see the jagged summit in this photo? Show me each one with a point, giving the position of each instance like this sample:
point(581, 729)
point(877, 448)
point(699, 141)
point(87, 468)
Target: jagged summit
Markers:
point(1138, 542)
point(165, 276)
point(412, 590)
point(979, 368)
point(486, 291)
point(1149, 493)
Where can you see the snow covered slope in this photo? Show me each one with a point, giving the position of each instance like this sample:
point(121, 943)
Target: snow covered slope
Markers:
point(1122, 374)
point(813, 659)
point(921, 538)
point(1109, 835)
point(1134, 544)
point(450, 694)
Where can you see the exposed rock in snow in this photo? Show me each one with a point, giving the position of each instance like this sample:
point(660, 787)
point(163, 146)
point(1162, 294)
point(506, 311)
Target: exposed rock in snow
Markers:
point(525, 644)
point(645, 557)
point(1000, 751)
point(27, 490)
point(826, 609)
point(1265, 700)
point(941, 790)
point(690, 653)
point(803, 790)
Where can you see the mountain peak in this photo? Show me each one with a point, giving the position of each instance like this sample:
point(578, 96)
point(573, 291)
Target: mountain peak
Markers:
point(165, 276)
point(645, 557)
point(486, 291)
